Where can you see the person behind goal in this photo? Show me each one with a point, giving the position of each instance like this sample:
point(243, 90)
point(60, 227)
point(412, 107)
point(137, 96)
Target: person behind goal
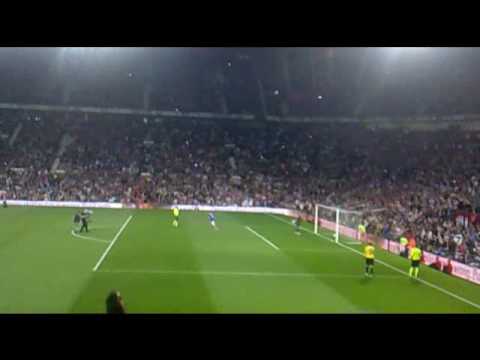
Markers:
point(362, 232)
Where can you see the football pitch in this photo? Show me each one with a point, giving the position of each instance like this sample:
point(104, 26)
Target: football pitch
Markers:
point(254, 263)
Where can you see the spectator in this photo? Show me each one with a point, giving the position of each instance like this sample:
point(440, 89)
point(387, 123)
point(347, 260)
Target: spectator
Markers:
point(427, 184)
point(115, 303)
point(448, 268)
point(437, 265)
point(404, 243)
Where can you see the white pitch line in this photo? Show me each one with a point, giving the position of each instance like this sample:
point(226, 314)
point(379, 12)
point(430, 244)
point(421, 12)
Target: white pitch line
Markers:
point(418, 279)
point(101, 227)
point(89, 238)
point(262, 237)
point(316, 251)
point(433, 286)
point(244, 273)
point(112, 243)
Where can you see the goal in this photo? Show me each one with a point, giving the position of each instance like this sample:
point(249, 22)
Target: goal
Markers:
point(344, 223)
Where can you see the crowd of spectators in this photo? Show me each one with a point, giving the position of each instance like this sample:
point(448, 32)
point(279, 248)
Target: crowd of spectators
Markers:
point(426, 182)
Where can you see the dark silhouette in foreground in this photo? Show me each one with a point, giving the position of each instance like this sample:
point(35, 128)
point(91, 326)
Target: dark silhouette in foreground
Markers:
point(115, 304)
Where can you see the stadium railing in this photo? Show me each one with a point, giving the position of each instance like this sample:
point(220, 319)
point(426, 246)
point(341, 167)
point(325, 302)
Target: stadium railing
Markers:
point(74, 204)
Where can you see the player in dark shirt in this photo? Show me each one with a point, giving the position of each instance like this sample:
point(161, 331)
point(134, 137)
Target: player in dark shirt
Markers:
point(115, 303)
point(76, 221)
point(297, 223)
point(84, 221)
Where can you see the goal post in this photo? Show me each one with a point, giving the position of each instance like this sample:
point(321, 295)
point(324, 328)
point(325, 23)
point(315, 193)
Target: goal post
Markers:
point(345, 223)
point(320, 210)
point(337, 224)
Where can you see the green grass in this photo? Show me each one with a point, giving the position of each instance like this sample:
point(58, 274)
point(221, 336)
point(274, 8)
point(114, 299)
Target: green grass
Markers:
point(196, 269)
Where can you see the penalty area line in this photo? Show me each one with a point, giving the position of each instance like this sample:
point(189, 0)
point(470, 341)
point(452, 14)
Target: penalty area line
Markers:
point(262, 237)
point(88, 238)
point(117, 235)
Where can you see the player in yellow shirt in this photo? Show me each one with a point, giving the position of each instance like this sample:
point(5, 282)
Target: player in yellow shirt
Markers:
point(361, 232)
point(176, 214)
point(369, 253)
point(415, 257)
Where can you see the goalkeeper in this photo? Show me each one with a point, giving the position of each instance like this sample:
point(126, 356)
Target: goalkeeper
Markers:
point(297, 222)
point(176, 215)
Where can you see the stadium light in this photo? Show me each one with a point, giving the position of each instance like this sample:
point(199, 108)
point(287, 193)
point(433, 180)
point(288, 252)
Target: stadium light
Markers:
point(407, 50)
point(83, 49)
point(87, 51)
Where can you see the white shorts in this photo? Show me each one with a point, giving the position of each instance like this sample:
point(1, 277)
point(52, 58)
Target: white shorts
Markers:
point(213, 223)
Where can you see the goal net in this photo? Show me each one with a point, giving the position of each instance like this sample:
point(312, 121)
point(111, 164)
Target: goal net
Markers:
point(343, 225)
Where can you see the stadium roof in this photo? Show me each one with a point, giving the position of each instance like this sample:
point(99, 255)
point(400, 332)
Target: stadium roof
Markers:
point(273, 81)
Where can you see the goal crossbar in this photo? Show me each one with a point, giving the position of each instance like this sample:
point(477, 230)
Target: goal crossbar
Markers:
point(341, 221)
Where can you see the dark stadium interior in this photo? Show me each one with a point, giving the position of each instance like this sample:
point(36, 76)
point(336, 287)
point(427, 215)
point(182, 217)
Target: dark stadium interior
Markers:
point(351, 81)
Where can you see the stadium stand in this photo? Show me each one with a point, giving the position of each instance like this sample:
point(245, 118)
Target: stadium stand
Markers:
point(428, 182)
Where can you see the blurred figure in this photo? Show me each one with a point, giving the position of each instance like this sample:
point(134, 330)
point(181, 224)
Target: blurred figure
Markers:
point(404, 243)
point(362, 232)
point(211, 218)
point(84, 221)
point(369, 254)
point(115, 303)
point(437, 265)
point(297, 222)
point(448, 268)
point(176, 216)
point(76, 222)
point(415, 257)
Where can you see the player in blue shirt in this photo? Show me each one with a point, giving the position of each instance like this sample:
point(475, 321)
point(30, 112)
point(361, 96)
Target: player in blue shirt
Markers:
point(211, 218)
